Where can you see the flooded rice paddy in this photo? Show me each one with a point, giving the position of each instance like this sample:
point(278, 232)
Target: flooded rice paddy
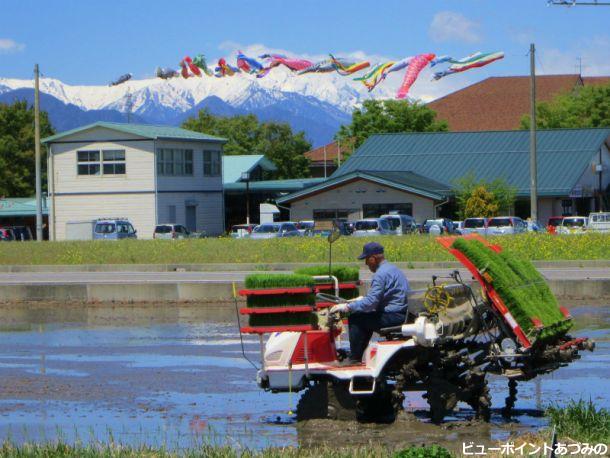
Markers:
point(174, 376)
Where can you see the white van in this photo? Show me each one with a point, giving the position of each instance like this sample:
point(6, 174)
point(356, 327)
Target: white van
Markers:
point(599, 222)
point(372, 226)
point(401, 224)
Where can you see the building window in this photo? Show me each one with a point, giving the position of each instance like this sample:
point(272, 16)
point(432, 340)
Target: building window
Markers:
point(376, 210)
point(211, 163)
point(174, 162)
point(105, 162)
point(566, 206)
point(113, 162)
point(88, 162)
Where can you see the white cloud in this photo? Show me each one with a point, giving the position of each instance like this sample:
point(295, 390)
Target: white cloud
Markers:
point(521, 36)
point(593, 51)
point(451, 26)
point(8, 46)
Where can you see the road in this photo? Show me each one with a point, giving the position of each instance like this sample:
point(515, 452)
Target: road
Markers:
point(417, 275)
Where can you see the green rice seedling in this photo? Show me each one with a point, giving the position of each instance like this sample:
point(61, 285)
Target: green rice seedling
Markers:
point(262, 281)
point(432, 451)
point(522, 289)
point(581, 421)
point(343, 273)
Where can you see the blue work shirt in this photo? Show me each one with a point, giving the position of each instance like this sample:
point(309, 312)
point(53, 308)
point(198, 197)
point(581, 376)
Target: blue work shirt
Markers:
point(388, 291)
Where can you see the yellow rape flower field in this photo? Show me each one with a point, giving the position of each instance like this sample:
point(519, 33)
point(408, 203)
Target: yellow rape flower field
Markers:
point(413, 248)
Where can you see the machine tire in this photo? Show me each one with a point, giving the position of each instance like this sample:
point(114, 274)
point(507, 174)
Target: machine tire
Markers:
point(442, 398)
point(325, 400)
point(378, 408)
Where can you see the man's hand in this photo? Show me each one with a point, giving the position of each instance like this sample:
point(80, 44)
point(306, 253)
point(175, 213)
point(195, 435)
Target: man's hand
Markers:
point(339, 309)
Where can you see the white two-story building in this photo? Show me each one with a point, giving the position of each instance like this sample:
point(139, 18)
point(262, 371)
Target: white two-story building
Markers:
point(149, 174)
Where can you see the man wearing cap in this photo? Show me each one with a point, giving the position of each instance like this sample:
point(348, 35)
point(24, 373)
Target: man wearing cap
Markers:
point(384, 306)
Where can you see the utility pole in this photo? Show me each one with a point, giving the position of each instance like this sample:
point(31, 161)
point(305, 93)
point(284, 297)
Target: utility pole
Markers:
point(324, 161)
point(533, 161)
point(37, 151)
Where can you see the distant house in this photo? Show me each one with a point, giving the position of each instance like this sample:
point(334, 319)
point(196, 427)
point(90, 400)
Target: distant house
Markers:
point(324, 160)
point(416, 173)
point(499, 103)
point(149, 174)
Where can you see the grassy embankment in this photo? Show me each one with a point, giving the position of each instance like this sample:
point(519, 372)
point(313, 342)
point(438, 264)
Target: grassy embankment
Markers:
point(578, 422)
point(225, 250)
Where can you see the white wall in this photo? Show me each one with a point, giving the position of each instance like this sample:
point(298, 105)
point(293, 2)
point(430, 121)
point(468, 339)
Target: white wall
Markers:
point(139, 208)
point(210, 212)
point(354, 194)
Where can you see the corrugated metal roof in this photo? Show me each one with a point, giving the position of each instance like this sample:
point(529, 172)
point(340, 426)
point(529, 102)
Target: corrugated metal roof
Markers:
point(143, 130)
point(21, 206)
point(406, 181)
point(290, 185)
point(233, 166)
point(563, 155)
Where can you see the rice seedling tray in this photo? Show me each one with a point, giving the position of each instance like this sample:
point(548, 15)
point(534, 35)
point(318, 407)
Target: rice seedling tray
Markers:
point(273, 310)
point(272, 329)
point(275, 291)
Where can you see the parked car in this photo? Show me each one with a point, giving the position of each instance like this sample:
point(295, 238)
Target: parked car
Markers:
point(572, 225)
point(401, 224)
point(551, 225)
point(372, 226)
point(458, 226)
point(533, 226)
point(6, 234)
point(240, 231)
point(113, 229)
point(305, 227)
point(171, 231)
point(599, 222)
point(504, 225)
point(273, 230)
point(445, 226)
point(474, 226)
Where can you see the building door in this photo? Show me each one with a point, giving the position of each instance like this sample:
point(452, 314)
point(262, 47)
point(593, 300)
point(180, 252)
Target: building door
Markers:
point(191, 218)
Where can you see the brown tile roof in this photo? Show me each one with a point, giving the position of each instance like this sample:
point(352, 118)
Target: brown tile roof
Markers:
point(332, 151)
point(595, 80)
point(498, 103)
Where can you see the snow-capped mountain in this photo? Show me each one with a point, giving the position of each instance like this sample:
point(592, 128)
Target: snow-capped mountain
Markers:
point(317, 104)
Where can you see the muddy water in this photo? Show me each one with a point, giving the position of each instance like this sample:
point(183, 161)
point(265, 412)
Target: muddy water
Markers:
point(174, 376)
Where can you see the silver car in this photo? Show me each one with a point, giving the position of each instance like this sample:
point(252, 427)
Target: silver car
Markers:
point(372, 226)
point(401, 224)
point(275, 230)
point(474, 226)
point(503, 225)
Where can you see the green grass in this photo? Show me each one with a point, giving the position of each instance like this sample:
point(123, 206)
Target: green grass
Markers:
point(254, 281)
point(306, 250)
point(62, 450)
point(581, 421)
point(522, 289)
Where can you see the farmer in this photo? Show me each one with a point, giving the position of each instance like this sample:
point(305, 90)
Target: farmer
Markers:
point(384, 306)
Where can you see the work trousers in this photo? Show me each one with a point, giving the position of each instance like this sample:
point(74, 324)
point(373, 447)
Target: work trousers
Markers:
point(362, 325)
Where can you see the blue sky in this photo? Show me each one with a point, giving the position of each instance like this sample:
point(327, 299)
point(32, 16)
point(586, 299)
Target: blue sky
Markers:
point(92, 42)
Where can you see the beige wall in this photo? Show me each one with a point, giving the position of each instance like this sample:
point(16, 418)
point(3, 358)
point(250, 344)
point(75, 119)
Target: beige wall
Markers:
point(353, 195)
point(139, 168)
point(210, 211)
point(139, 208)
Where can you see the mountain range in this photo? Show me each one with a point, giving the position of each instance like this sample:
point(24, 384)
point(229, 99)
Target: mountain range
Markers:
point(315, 104)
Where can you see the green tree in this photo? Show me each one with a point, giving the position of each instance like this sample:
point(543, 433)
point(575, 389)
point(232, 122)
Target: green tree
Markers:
point(587, 106)
point(480, 198)
point(388, 116)
point(17, 154)
point(246, 135)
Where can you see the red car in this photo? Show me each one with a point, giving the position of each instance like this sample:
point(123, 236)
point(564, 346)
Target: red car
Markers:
point(554, 221)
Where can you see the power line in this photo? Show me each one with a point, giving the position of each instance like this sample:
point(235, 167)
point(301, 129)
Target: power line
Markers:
point(576, 3)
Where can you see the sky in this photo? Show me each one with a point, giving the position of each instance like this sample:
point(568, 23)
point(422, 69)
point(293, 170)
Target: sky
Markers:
point(89, 42)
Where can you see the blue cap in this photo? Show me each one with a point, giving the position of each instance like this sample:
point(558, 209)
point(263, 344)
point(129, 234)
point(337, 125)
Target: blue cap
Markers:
point(370, 249)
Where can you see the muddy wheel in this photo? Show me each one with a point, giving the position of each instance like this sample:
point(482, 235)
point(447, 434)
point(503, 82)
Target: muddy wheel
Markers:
point(478, 397)
point(327, 400)
point(378, 408)
point(442, 398)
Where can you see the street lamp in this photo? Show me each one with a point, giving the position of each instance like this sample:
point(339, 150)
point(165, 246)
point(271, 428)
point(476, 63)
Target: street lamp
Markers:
point(245, 176)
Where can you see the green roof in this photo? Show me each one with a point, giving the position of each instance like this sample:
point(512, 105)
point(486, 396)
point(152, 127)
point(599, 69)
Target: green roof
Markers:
point(405, 181)
point(21, 206)
point(143, 130)
point(233, 166)
point(563, 156)
point(277, 186)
